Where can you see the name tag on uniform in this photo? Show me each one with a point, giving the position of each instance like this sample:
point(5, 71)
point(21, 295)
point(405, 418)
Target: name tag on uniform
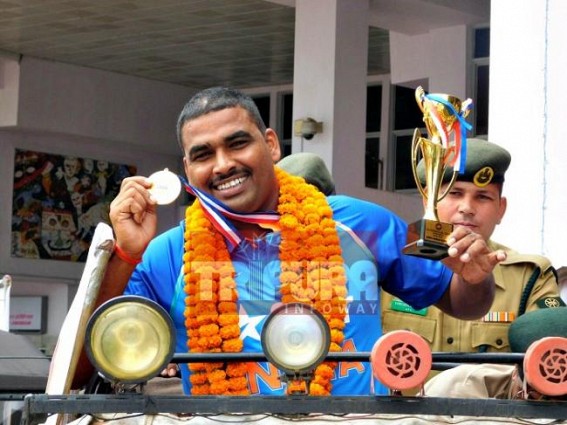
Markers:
point(499, 316)
point(399, 305)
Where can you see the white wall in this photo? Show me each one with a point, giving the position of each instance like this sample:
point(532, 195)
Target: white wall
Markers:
point(528, 116)
point(87, 102)
point(68, 110)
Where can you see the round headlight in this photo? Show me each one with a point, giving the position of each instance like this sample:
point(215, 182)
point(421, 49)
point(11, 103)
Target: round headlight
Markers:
point(295, 338)
point(130, 339)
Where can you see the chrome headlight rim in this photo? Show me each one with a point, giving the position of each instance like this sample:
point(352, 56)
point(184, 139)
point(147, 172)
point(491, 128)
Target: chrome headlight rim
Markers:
point(111, 306)
point(297, 310)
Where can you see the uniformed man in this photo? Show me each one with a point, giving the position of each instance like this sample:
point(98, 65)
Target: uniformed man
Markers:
point(523, 282)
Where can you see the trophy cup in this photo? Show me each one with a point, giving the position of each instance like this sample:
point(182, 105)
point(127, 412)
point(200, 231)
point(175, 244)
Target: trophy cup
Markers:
point(444, 118)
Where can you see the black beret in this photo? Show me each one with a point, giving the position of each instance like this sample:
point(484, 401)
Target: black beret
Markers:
point(312, 168)
point(485, 163)
point(535, 325)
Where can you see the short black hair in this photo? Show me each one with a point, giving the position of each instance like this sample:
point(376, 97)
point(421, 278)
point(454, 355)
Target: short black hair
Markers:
point(215, 99)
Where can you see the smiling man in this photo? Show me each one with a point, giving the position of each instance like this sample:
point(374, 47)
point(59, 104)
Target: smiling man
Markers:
point(231, 157)
point(257, 237)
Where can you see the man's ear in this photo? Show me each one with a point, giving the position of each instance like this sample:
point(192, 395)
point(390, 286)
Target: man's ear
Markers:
point(502, 209)
point(273, 144)
point(186, 168)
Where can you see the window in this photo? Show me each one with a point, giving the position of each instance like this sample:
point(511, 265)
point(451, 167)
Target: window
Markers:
point(407, 117)
point(373, 109)
point(373, 166)
point(481, 99)
point(286, 130)
point(404, 173)
point(482, 43)
point(481, 61)
point(407, 114)
point(276, 109)
point(263, 104)
point(373, 163)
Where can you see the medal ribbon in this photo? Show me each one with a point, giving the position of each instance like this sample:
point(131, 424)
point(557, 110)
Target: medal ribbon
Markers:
point(460, 128)
point(220, 215)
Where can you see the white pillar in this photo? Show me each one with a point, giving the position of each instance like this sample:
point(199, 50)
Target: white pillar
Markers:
point(331, 55)
point(528, 116)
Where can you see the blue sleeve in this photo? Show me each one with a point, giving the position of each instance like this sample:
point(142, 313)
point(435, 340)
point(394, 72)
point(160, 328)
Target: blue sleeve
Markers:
point(419, 282)
point(155, 277)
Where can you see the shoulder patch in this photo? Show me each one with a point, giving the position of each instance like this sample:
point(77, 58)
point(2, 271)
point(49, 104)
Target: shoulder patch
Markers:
point(550, 302)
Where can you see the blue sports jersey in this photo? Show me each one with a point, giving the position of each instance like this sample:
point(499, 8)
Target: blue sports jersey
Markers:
point(371, 241)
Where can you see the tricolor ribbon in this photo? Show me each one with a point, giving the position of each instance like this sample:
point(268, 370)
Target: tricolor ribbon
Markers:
point(460, 128)
point(499, 317)
point(221, 215)
point(438, 121)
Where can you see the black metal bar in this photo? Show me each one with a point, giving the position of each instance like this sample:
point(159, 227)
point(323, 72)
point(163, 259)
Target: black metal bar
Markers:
point(363, 356)
point(24, 358)
point(512, 358)
point(36, 404)
point(12, 396)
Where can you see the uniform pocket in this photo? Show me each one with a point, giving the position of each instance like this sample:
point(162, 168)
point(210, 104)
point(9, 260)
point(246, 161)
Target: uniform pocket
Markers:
point(393, 320)
point(493, 335)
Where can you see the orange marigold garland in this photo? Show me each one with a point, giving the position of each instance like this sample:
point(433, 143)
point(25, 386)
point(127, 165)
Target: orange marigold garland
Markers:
point(312, 272)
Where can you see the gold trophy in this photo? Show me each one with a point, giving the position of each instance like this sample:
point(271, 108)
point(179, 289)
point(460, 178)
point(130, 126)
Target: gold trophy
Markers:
point(444, 119)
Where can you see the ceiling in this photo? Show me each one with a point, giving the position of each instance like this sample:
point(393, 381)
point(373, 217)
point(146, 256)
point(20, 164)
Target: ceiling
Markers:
point(199, 43)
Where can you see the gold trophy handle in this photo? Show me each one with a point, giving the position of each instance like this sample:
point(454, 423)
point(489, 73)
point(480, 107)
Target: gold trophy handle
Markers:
point(419, 95)
point(449, 186)
point(415, 145)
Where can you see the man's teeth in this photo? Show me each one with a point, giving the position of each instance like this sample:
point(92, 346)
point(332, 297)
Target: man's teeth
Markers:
point(231, 183)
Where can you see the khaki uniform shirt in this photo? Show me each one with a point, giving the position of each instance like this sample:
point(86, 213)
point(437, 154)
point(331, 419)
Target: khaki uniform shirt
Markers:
point(447, 334)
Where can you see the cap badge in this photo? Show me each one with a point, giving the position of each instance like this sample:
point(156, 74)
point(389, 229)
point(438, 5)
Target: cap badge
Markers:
point(483, 176)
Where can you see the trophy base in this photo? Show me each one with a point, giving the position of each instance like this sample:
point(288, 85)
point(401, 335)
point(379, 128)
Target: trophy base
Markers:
point(426, 238)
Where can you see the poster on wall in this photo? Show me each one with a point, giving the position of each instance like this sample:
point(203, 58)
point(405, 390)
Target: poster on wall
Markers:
point(58, 201)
